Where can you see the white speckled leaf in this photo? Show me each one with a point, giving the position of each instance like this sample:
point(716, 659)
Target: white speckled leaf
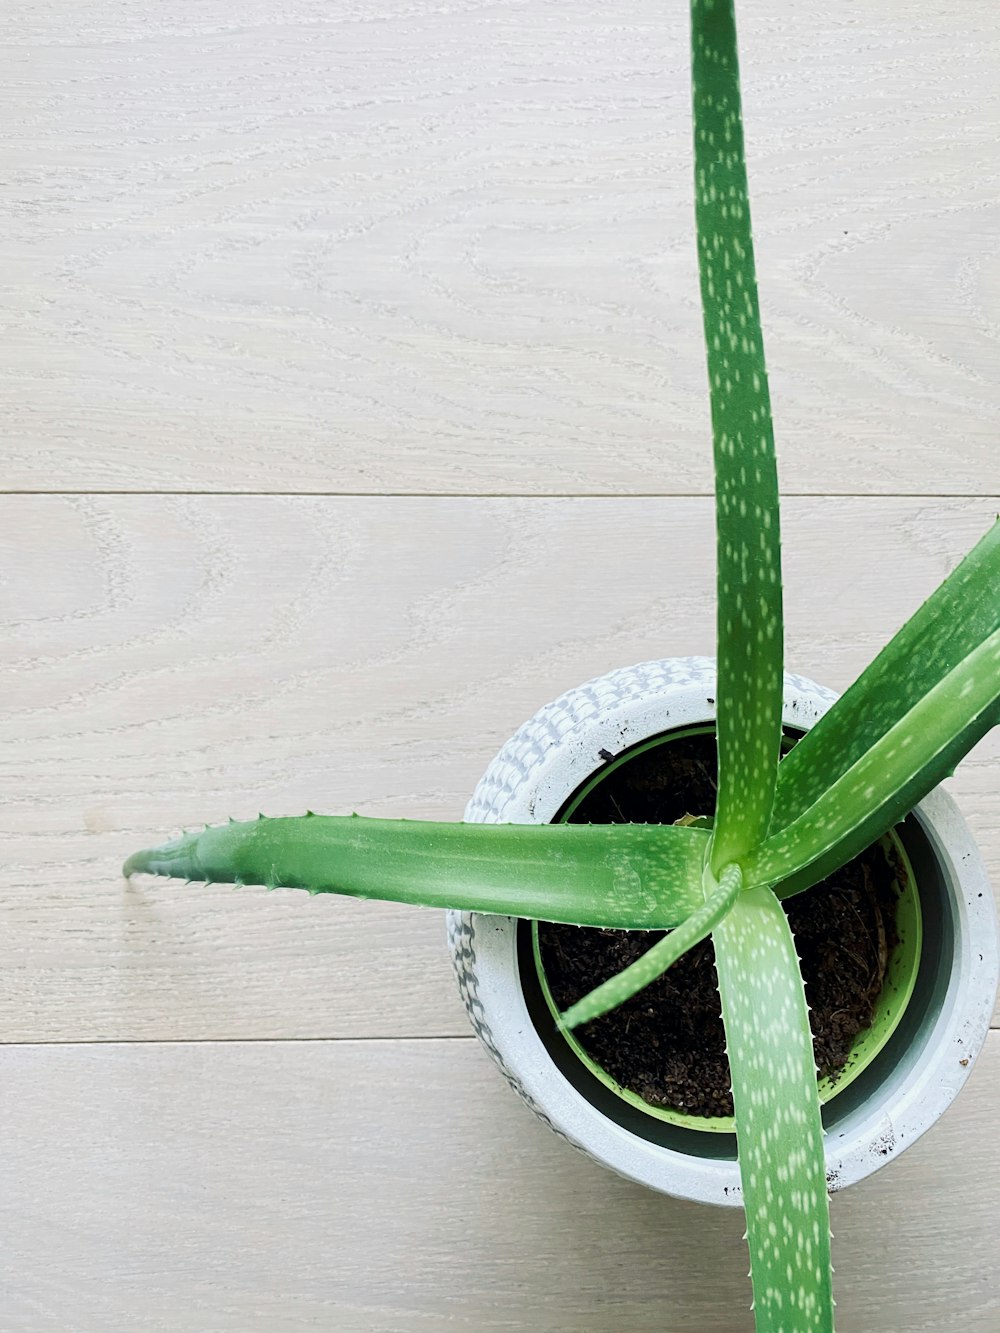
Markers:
point(953, 621)
point(639, 876)
point(655, 961)
point(879, 788)
point(746, 481)
point(778, 1127)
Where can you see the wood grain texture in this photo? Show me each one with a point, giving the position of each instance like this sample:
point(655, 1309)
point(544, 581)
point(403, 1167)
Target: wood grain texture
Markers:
point(172, 660)
point(440, 247)
point(276, 1187)
point(447, 247)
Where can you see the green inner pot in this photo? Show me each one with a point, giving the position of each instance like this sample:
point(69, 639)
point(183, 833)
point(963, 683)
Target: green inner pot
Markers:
point(900, 978)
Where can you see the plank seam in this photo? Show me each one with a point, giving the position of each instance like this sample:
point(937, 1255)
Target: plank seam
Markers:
point(251, 1041)
point(504, 495)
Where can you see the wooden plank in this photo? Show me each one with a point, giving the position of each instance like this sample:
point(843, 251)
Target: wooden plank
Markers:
point(418, 247)
point(165, 661)
point(276, 1187)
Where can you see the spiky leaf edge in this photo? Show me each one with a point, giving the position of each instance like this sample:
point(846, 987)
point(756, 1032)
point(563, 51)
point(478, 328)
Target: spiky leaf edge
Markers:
point(629, 876)
point(779, 1129)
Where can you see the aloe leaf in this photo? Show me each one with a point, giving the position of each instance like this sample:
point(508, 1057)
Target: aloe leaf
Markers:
point(655, 961)
point(887, 780)
point(953, 621)
point(638, 876)
point(749, 626)
point(891, 812)
point(779, 1131)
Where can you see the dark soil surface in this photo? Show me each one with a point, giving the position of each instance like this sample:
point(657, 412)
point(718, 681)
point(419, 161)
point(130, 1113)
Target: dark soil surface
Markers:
point(667, 1043)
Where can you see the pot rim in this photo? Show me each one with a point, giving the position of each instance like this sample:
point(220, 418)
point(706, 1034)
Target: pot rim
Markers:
point(543, 763)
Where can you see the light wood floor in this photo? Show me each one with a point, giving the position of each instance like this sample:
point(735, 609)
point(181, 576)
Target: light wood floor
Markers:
point(353, 405)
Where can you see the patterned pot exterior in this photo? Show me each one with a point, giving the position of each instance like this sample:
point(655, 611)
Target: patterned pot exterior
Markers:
point(528, 782)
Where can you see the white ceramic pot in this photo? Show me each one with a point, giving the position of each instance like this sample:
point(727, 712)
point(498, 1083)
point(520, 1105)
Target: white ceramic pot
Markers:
point(909, 1084)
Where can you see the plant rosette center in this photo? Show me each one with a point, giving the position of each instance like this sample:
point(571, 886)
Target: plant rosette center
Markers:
point(860, 958)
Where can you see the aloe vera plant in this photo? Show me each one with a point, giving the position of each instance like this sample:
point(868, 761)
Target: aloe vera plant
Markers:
point(777, 829)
